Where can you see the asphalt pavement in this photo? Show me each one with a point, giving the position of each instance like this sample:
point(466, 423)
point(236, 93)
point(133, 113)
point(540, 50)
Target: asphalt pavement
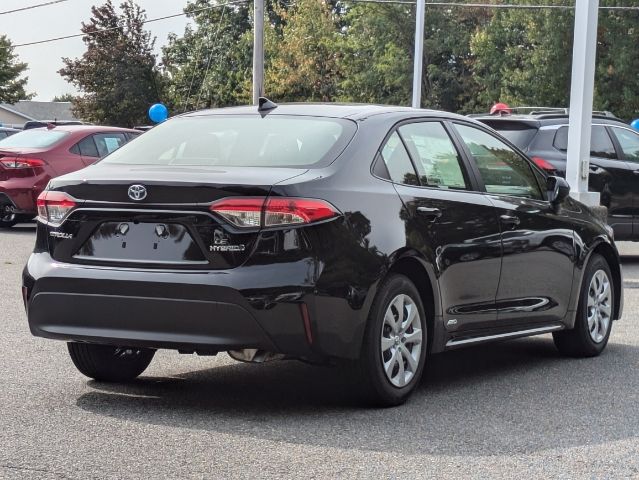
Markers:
point(510, 410)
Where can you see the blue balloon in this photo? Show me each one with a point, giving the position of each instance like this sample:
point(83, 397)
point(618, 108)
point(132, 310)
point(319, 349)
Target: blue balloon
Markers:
point(158, 113)
point(635, 124)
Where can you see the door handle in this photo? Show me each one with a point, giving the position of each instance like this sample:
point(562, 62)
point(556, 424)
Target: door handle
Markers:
point(509, 220)
point(636, 172)
point(432, 213)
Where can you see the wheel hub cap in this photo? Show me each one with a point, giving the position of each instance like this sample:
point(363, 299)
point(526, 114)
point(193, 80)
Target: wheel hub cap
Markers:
point(6, 213)
point(401, 340)
point(599, 308)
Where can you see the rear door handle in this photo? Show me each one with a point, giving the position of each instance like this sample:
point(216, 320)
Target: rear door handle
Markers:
point(509, 220)
point(432, 213)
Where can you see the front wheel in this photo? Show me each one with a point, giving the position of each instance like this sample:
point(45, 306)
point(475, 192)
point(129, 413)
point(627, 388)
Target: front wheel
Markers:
point(593, 322)
point(394, 350)
point(106, 363)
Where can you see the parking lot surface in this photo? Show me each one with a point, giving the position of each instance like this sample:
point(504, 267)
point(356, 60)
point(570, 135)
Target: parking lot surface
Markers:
point(514, 409)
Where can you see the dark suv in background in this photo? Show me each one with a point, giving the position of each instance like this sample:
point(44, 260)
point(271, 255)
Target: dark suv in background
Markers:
point(614, 163)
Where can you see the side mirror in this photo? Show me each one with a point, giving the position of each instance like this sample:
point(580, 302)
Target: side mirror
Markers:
point(558, 189)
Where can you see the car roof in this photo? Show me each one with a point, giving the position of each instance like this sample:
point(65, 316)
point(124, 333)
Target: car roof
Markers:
point(353, 111)
point(544, 119)
point(85, 129)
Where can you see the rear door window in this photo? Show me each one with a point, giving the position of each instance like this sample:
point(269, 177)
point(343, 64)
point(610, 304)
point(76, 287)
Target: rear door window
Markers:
point(629, 142)
point(437, 161)
point(503, 170)
point(600, 143)
point(398, 163)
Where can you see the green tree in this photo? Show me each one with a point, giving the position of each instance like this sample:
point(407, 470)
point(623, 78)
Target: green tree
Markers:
point(210, 65)
point(65, 97)
point(617, 74)
point(303, 54)
point(12, 82)
point(523, 57)
point(117, 74)
point(379, 49)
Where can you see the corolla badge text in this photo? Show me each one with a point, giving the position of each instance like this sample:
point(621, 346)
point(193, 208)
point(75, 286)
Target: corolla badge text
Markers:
point(64, 235)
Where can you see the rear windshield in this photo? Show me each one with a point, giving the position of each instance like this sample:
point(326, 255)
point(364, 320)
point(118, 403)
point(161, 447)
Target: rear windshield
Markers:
point(237, 140)
point(518, 134)
point(33, 139)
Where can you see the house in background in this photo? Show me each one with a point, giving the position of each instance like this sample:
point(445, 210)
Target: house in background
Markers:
point(18, 114)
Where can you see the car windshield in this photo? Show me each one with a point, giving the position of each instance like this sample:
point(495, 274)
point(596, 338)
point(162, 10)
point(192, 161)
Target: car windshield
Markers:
point(240, 140)
point(33, 139)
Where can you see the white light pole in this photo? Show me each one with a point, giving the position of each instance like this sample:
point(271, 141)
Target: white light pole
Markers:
point(581, 95)
point(419, 53)
point(258, 50)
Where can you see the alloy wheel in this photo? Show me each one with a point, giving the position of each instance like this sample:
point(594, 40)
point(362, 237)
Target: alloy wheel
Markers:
point(599, 308)
point(401, 340)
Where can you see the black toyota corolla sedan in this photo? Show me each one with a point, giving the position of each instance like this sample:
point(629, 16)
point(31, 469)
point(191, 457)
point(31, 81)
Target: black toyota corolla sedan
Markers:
point(368, 236)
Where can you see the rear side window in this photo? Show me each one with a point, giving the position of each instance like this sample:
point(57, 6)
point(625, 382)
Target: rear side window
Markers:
point(240, 140)
point(519, 134)
point(600, 144)
point(437, 161)
point(397, 161)
point(3, 135)
point(502, 169)
point(34, 138)
point(629, 142)
point(87, 147)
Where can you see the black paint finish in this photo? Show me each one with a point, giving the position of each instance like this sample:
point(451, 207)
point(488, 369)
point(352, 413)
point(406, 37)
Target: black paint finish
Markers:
point(477, 273)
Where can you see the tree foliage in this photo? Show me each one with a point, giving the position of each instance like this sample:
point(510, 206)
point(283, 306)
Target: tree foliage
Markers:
point(304, 55)
point(117, 74)
point(12, 81)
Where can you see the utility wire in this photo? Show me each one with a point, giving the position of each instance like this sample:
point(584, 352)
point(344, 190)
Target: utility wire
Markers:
point(97, 32)
point(52, 2)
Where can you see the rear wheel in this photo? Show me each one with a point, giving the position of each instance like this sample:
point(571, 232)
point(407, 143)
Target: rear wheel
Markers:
point(7, 216)
point(110, 364)
point(394, 350)
point(593, 322)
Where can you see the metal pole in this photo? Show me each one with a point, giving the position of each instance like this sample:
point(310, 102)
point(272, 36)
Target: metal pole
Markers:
point(581, 94)
point(258, 50)
point(419, 53)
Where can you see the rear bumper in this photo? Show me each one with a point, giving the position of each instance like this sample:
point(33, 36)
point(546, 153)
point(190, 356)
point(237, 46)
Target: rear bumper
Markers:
point(205, 311)
point(22, 199)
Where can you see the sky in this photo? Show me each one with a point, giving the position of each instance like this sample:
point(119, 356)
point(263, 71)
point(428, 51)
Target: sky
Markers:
point(65, 18)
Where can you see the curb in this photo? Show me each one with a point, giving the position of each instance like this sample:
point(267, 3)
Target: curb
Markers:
point(631, 283)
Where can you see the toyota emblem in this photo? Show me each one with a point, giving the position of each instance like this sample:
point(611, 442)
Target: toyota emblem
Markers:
point(137, 192)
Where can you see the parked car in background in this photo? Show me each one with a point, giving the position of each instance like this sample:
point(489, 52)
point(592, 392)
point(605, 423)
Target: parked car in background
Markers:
point(30, 158)
point(6, 132)
point(362, 236)
point(44, 123)
point(542, 133)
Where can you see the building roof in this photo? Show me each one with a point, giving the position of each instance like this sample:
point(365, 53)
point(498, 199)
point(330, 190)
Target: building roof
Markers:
point(31, 110)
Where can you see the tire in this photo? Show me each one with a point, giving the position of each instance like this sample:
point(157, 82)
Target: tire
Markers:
point(406, 347)
point(589, 339)
point(106, 363)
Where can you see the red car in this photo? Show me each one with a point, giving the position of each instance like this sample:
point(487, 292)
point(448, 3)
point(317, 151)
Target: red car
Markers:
point(29, 159)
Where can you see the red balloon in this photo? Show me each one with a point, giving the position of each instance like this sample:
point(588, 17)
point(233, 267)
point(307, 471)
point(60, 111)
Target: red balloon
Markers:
point(500, 108)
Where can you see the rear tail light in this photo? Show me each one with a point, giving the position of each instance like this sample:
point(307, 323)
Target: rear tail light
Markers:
point(54, 207)
point(20, 162)
point(255, 212)
point(543, 164)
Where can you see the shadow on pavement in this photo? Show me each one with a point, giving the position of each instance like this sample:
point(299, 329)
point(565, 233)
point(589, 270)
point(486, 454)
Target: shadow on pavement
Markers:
point(506, 398)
